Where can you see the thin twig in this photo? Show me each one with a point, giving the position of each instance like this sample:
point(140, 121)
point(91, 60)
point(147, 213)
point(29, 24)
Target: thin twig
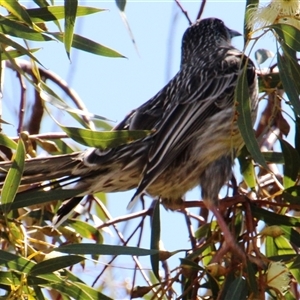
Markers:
point(27, 67)
point(184, 12)
point(34, 123)
point(201, 9)
point(22, 103)
point(139, 266)
point(48, 136)
point(128, 217)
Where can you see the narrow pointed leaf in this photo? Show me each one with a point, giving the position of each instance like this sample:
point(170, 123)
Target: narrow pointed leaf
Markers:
point(244, 119)
point(16, 53)
point(272, 218)
point(248, 5)
point(52, 13)
point(271, 249)
point(104, 139)
point(6, 278)
point(155, 239)
point(247, 168)
point(20, 49)
point(237, 289)
point(252, 278)
point(51, 97)
point(289, 34)
point(288, 85)
point(13, 178)
point(16, 29)
point(7, 142)
point(273, 157)
point(291, 164)
point(121, 4)
point(77, 291)
point(85, 44)
point(70, 17)
point(86, 230)
point(34, 197)
point(54, 264)
point(15, 262)
point(16, 9)
point(96, 249)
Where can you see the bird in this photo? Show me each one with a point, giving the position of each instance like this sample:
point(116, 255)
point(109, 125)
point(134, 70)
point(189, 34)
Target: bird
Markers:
point(194, 136)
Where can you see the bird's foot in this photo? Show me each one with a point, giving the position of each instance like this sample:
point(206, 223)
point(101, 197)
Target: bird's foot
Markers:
point(229, 244)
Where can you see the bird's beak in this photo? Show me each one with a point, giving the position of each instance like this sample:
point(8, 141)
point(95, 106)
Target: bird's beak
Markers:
point(234, 33)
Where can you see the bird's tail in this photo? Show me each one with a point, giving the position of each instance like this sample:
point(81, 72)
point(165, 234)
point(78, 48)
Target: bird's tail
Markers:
point(43, 180)
point(40, 169)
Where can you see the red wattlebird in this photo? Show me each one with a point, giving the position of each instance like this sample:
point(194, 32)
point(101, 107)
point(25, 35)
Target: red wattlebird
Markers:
point(195, 138)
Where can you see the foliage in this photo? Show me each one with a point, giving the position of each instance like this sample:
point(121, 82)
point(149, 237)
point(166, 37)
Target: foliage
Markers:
point(261, 211)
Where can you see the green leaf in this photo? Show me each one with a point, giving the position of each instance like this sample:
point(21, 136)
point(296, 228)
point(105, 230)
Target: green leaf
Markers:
point(70, 18)
point(247, 168)
point(292, 194)
point(7, 142)
point(13, 178)
point(191, 264)
point(84, 44)
point(247, 30)
point(17, 10)
point(155, 239)
point(16, 53)
point(38, 292)
point(54, 264)
point(289, 72)
point(272, 218)
point(41, 3)
point(64, 147)
point(17, 68)
point(104, 139)
point(49, 96)
point(296, 263)
point(86, 230)
point(273, 157)
point(289, 34)
point(16, 29)
point(269, 81)
point(283, 245)
point(202, 231)
point(77, 290)
point(297, 134)
point(286, 258)
point(244, 119)
point(237, 289)
point(9, 277)
point(271, 249)
point(96, 249)
point(121, 4)
point(20, 50)
point(252, 278)
point(292, 235)
point(196, 253)
point(291, 164)
point(50, 278)
point(287, 81)
point(15, 262)
point(52, 13)
point(34, 197)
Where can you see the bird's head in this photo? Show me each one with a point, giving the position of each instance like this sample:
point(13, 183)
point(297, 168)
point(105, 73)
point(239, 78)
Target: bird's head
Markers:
point(203, 35)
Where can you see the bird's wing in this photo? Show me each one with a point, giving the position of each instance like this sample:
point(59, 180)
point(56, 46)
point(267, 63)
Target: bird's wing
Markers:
point(145, 117)
point(196, 97)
